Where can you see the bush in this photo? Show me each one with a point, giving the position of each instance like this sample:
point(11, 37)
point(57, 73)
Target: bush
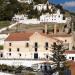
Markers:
point(1, 47)
point(29, 68)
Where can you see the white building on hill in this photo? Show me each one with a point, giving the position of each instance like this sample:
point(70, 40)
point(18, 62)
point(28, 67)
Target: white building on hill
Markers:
point(55, 17)
point(25, 1)
point(41, 7)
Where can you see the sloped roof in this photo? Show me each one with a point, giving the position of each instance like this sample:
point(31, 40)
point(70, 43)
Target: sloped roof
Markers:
point(69, 52)
point(19, 36)
point(24, 36)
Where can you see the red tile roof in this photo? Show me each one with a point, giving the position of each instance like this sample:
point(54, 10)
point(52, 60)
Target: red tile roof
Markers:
point(69, 52)
point(19, 36)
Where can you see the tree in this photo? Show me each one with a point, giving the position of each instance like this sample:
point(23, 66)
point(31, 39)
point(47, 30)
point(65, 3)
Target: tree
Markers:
point(58, 56)
point(8, 8)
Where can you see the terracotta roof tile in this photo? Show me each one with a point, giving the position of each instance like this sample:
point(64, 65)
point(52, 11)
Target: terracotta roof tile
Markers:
point(19, 36)
point(69, 52)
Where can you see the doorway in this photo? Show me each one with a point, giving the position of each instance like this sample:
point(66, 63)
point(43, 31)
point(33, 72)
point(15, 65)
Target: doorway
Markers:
point(35, 55)
point(72, 58)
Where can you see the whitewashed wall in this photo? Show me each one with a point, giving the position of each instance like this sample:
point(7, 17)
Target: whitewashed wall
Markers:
point(19, 62)
point(2, 38)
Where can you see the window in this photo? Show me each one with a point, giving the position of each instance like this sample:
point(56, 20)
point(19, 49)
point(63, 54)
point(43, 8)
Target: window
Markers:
point(35, 55)
point(9, 44)
point(63, 18)
point(9, 49)
point(1, 55)
point(47, 48)
point(59, 15)
point(9, 54)
point(36, 44)
point(35, 49)
point(47, 56)
point(46, 45)
point(18, 49)
point(72, 58)
point(69, 57)
point(65, 40)
point(27, 44)
point(19, 54)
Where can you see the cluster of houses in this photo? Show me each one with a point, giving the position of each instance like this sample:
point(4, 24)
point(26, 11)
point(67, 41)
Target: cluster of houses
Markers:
point(36, 46)
point(54, 18)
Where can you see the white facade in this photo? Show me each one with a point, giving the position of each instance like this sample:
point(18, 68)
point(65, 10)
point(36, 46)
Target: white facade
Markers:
point(70, 55)
point(57, 17)
point(54, 18)
point(29, 21)
point(41, 7)
point(24, 19)
point(25, 1)
point(2, 38)
point(39, 46)
point(19, 17)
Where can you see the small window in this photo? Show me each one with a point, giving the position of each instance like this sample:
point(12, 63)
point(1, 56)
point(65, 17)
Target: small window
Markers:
point(9, 49)
point(47, 56)
point(63, 18)
point(69, 57)
point(35, 49)
point(1, 55)
point(9, 54)
point(27, 44)
point(72, 58)
point(47, 48)
point(59, 15)
point(18, 49)
point(36, 44)
point(9, 44)
point(46, 44)
point(19, 54)
point(65, 40)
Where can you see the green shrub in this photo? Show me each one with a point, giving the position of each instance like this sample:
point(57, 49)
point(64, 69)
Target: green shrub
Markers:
point(1, 47)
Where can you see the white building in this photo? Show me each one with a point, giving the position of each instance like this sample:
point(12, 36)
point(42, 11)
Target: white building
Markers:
point(32, 45)
point(2, 38)
point(41, 7)
point(55, 17)
point(25, 1)
point(24, 19)
point(19, 17)
point(70, 55)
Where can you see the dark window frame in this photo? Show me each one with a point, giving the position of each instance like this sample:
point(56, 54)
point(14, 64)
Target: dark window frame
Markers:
point(27, 44)
point(46, 45)
point(36, 44)
point(9, 54)
point(18, 49)
point(9, 49)
point(10, 44)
